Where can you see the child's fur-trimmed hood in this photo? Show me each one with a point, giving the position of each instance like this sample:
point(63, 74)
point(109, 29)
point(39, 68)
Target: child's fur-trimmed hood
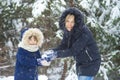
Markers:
point(32, 31)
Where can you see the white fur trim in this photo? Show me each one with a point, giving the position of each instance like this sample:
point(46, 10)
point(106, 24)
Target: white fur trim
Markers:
point(31, 48)
point(33, 31)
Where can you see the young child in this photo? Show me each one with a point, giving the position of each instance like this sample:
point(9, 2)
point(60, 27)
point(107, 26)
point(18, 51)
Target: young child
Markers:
point(28, 56)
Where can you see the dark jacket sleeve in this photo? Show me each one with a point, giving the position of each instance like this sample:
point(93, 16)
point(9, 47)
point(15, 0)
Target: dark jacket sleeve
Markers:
point(76, 48)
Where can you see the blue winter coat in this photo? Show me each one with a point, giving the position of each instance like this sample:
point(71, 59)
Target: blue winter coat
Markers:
point(80, 44)
point(26, 65)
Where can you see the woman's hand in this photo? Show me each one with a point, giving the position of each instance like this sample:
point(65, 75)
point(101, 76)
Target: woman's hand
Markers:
point(49, 55)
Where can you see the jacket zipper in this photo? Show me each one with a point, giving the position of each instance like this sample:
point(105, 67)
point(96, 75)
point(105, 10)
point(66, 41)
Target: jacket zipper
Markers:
point(35, 78)
point(69, 41)
point(89, 55)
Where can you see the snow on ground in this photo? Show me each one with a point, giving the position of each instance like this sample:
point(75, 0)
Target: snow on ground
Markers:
point(41, 77)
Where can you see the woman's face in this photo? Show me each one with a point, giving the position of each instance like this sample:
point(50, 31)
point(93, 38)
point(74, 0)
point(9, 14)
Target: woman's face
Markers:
point(69, 22)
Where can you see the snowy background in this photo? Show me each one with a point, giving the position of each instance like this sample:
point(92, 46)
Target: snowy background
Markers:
point(101, 16)
point(41, 77)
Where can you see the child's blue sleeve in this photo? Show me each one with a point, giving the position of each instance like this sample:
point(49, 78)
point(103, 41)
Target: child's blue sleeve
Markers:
point(27, 61)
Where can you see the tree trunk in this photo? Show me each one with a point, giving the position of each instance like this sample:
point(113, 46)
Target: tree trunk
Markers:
point(64, 70)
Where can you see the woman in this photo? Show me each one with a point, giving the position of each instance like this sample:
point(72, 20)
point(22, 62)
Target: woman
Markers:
point(78, 42)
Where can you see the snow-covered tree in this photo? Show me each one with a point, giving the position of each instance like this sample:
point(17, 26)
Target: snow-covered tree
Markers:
point(13, 16)
point(102, 16)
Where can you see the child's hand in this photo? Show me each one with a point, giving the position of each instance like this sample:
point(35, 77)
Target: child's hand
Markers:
point(43, 62)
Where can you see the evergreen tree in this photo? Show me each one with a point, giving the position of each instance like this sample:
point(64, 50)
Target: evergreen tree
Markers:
point(102, 17)
point(13, 17)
